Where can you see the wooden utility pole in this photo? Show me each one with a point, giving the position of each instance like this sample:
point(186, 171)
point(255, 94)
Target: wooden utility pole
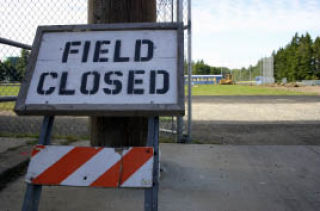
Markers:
point(120, 131)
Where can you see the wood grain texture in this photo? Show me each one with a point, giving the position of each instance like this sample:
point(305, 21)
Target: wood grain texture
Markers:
point(129, 130)
point(121, 11)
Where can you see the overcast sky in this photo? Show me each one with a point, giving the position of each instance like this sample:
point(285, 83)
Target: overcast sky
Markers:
point(236, 33)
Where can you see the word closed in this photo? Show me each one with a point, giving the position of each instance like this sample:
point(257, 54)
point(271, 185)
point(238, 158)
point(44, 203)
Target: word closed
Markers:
point(105, 67)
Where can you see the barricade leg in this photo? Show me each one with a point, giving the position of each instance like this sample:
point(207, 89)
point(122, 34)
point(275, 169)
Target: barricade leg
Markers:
point(151, 194)
point(33, 192)
point(32, 197)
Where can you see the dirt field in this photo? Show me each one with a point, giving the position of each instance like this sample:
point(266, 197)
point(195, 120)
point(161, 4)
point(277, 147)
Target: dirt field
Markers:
point(280, 120)
point(308, 89)
point(256, 119)
point(256, 108)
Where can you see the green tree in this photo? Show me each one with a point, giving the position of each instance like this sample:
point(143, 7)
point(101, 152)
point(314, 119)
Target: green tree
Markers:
point(200, 68)
point(304, 58)
point(299, 60)
point(9, 70)
point(291, 61)
point(14, 68)
point(3, 72)
point(215, 70)
point(22, 63)
point(316, 58)
point(281, 67)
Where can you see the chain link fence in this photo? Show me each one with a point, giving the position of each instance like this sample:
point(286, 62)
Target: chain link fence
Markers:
point(19, 21)
point(259, 74)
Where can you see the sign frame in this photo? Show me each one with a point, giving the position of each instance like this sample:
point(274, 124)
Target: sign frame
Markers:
point(22, 108)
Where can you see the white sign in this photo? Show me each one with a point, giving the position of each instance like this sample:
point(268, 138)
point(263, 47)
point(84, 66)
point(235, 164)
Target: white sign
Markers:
point(106, 67)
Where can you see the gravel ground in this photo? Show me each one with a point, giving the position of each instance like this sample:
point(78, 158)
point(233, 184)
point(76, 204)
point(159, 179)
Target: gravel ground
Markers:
point(256, 108)
point(310, 89)
point(256, 119)
point(218, 119)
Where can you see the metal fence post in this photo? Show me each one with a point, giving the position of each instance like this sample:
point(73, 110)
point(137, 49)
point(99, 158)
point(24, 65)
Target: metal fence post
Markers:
point(189, 75)
point(179, 118)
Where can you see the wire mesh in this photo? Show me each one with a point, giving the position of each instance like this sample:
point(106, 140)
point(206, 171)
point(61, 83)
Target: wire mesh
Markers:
point(19, 21)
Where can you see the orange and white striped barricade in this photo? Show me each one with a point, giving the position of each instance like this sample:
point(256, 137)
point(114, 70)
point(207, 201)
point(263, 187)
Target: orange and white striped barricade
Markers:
point(131, 167)
point(91, 166)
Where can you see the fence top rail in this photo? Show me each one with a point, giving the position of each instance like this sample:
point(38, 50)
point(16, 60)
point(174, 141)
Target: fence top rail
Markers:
point(3, 83)
point(15, 44)
point(7, 98)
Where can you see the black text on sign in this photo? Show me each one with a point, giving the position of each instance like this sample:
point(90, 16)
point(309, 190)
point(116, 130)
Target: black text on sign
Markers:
point(113, 67)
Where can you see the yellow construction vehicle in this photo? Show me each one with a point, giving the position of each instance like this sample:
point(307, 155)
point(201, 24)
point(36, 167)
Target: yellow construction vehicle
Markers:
point(227, 80)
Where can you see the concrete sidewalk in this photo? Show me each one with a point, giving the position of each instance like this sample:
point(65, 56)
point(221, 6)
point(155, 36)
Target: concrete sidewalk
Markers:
point(204, 177)
point(14, 156)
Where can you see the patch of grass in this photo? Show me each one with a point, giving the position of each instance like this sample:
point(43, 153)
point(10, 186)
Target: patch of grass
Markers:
point(20, 135)
point(196, 141)
point(32, 142)
point(69, 140)
point(163, 139)
point(165, 118)
point(166, 140)
point(220, 90)
point(11, 89)
point(13, 148)
point(7, 106)
point(8, 89)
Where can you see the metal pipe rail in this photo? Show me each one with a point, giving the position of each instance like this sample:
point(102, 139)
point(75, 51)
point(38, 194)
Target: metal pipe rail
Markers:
point(7, 98)
point(18, 45)
point(15, 44)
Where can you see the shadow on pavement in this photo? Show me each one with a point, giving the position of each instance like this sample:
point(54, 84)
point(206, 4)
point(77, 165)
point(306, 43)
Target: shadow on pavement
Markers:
point(211, 132)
